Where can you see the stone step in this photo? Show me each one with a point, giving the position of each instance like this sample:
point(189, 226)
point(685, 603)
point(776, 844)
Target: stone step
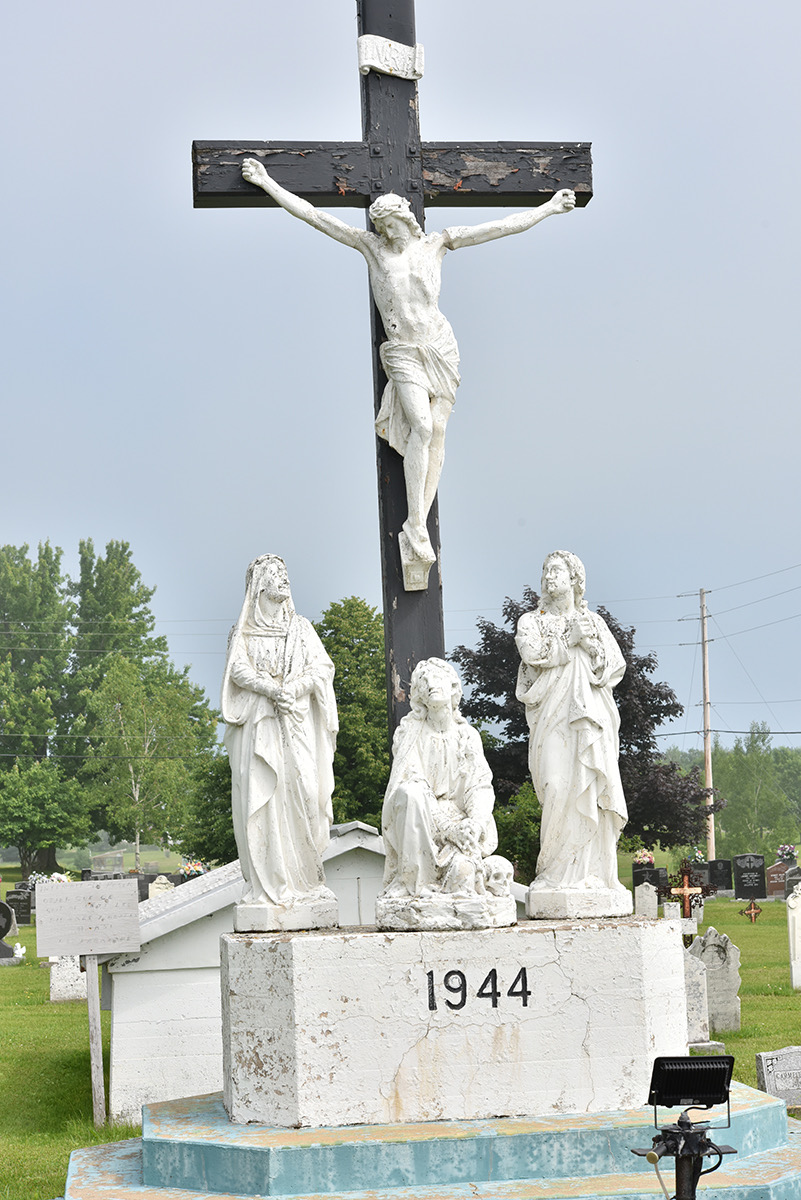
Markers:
point(192, 1144)
point(114, 1172)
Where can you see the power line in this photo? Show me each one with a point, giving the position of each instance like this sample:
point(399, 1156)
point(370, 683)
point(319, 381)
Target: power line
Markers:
point(753, 579)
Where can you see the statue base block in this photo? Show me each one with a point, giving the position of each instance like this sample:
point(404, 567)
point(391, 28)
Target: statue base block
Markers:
point(565, 904)
point(443, 912)
point(360, 1027)
point(321, 913)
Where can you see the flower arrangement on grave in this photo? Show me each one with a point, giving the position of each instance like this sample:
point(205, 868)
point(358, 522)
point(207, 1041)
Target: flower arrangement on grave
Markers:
point(191, 868)
point(697, 856)
point(643, 858)
point(785, 854)
point(57, 877)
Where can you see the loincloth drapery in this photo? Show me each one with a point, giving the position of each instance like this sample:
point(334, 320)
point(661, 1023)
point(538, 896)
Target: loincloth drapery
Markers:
point(431, 365)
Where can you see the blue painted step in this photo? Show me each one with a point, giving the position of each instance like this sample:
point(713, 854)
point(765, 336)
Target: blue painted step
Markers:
point(191, 1144)
point(113, 1172)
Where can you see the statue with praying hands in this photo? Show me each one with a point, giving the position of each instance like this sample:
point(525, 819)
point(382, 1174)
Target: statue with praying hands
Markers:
point(420, 356)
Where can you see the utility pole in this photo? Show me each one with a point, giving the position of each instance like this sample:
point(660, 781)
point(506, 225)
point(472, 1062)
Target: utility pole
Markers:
point(710, 821)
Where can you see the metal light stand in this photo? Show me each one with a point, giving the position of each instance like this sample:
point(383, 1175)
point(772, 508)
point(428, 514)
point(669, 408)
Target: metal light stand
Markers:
point(687, 1141)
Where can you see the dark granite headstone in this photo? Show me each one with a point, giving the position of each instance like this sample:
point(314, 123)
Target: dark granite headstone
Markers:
point(720, 874)
point(20, 901)
point(701, 870)
point(774, 878)
point(749, 876)
point(642, 874)
point(791, 879)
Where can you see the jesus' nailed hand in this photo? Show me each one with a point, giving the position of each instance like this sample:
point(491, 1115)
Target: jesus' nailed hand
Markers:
point(420, 356)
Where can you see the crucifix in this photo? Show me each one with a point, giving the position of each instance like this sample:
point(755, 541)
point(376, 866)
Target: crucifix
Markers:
point(392, 166)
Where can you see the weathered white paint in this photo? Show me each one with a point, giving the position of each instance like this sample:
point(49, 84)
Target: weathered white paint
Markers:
point(335, 1028)
point(98, 916)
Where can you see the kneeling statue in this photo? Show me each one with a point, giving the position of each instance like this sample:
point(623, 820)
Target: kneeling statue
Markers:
point(439, 833)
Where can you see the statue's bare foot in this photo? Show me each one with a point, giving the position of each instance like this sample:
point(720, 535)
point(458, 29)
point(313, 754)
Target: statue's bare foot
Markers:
point(420, 543)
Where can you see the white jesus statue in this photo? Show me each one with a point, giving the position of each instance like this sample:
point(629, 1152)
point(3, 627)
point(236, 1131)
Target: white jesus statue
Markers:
point(420, 356)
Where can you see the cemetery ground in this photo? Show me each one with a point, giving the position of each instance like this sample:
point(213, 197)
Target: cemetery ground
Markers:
point(44, 1053)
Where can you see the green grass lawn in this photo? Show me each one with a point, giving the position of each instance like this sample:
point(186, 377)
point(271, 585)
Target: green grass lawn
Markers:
point(45, 1090)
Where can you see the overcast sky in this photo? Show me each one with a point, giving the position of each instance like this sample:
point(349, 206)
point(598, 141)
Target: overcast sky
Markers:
point(197, 382)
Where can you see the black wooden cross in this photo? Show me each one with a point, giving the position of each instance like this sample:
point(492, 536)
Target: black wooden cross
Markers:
point(391, 158)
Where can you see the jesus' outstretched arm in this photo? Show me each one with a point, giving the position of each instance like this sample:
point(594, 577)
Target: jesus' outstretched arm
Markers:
point(254, 172)
point(473, 235)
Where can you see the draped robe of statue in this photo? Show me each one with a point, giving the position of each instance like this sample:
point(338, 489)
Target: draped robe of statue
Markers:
point(438, 780)
point(573, 749)
point(281, 762)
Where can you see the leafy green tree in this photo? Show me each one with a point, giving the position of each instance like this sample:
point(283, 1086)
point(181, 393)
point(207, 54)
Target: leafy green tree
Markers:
point(353, 634)
point(758, 815)
point(787, 764)
point(38, 806)
point(665, 806)
point(35, 645)
point(208, 832)
point(518, 824)
point(149, 726)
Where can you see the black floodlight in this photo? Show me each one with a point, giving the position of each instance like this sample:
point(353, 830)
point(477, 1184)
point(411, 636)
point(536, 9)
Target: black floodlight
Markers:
point(690, 1083)
point(698, 1082)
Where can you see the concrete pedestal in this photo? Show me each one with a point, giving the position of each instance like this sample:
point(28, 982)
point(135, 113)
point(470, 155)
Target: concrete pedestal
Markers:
point(359, 1027)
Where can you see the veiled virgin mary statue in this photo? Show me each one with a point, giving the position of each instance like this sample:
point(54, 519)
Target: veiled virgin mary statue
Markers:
point(570, 664)
point(281, 724)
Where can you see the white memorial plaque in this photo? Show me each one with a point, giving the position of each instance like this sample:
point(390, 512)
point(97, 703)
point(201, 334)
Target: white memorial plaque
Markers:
point(99, 916)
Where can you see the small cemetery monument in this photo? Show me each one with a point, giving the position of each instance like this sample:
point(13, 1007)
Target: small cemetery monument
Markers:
point(697, 999)
point(779, 1073)
point(722, 961)
point(794, 935)
point(67, 980)
point(775, 877)
point(19, 900)
point(749, 876)
point(646, 901)
point(720, 874)
point(7, 925)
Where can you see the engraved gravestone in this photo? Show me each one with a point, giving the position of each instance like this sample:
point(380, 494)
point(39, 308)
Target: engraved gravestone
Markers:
point(722, 961)
point(701, 869)
point(720, 874)
point(20, 901)
point(779, 1073)
point(775, 877)
point(646, 901)
point(749, 876)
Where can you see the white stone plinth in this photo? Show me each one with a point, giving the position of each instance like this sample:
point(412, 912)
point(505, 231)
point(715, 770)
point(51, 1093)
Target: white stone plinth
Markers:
point(318, 913)
point(552, 904)
point(355, 1027)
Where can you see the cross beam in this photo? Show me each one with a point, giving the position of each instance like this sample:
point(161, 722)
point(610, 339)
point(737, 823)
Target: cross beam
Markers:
point(391, 158)
point(344, 175)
